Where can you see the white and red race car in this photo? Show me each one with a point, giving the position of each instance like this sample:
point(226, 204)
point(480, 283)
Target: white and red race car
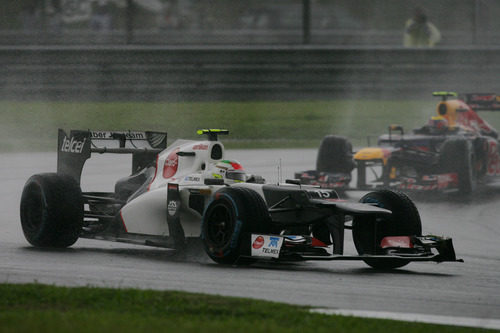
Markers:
point(189, 190)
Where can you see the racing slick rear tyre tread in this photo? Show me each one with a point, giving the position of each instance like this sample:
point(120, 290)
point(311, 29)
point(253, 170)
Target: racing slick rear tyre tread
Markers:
point(335, 155)
point(456, 156)
point(229, 218)
point(51, 210)
point(404, 221)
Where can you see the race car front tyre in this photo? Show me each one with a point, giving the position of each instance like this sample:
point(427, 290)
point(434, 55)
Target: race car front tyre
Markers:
point(51, 210)
point(335, 155)
point(229, 218)
point(457, 156)
point(368, 231)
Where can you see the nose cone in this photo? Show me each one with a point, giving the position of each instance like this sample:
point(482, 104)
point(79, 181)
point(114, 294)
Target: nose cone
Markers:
point(372, 153)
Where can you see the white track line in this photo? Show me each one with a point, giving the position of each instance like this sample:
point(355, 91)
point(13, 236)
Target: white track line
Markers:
point(416, 317)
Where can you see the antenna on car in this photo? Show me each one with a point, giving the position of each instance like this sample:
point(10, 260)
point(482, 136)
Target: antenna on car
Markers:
point(279, 171)
point(212, 133)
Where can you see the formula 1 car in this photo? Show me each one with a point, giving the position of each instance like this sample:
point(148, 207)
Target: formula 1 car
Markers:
point(455, 151)
point(190, 190)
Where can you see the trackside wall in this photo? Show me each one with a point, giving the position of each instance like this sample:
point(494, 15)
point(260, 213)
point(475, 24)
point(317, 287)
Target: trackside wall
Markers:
point(121, 73)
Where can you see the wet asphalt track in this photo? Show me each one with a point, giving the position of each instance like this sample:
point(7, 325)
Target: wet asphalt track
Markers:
point(471, 289)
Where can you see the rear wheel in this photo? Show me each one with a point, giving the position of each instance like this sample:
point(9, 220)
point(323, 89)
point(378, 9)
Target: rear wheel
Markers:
point(368, 231)
point(229, 218)
point(51, 210)
point(335, 155)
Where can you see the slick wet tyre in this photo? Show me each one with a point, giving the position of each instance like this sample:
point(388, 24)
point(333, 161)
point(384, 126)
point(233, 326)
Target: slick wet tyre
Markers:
point(228, 221)
point(51, 210)
point(457, 156)
point(368, 231)
point(335, 155)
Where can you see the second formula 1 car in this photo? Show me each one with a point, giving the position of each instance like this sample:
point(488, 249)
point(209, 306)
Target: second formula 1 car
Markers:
point(455, 151)
point(190, 190)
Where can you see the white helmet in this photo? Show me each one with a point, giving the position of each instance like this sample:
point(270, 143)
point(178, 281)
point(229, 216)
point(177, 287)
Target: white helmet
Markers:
point(229, 170)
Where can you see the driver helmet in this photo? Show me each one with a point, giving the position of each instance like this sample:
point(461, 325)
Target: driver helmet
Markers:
point(438, 122)
point(230, 170)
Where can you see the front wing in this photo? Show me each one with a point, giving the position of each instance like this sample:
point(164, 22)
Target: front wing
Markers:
point(301, 248)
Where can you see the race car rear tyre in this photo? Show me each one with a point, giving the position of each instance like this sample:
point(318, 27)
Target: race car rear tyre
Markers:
point(228, 221)
point(368, 231)
point(457, 156)
point(335, 155)
point(51, 210)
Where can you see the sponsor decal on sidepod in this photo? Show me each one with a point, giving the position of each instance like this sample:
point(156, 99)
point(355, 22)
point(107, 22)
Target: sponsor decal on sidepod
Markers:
point(200, 147)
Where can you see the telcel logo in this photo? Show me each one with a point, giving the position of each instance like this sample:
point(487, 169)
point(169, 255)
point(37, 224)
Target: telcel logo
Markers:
point(72, 145)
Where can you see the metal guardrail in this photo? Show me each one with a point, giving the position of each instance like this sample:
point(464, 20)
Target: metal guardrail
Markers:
point(241, 73)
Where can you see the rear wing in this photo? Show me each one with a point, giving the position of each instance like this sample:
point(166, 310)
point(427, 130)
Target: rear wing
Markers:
point(74, 149)
point(482, 101)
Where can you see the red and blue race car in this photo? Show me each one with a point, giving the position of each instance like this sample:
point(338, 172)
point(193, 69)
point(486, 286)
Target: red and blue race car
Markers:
point(456, 150)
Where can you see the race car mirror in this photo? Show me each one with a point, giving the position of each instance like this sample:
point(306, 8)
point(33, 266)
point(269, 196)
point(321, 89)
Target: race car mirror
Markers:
point(395, 128)
point(293, 181)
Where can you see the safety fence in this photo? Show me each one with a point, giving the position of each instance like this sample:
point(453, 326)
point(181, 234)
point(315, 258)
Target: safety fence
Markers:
point(241, 37)
point(123, 73)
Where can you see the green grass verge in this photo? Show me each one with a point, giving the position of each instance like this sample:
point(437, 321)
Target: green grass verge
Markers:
point(41, 308)
point(32, 126)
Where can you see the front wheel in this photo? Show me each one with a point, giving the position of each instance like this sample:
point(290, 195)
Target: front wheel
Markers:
point(234, 213)
point(457, 156)
point(368, 231)
point(51, 210)
point(335, 155)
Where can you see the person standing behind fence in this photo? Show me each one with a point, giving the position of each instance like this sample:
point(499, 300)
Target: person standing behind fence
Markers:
point(419, 32)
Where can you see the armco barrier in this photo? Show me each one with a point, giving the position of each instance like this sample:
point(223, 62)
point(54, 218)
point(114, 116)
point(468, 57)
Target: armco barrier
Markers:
point(240, 73)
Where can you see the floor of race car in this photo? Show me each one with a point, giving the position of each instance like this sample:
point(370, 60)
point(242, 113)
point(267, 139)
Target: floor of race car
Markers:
point(470, 289)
